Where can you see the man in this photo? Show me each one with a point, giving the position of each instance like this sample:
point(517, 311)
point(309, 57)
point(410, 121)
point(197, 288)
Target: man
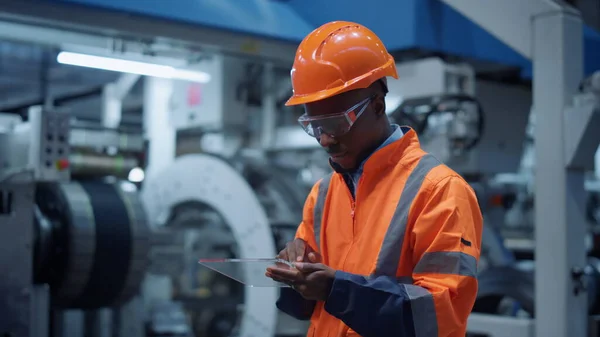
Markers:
point(389, 243)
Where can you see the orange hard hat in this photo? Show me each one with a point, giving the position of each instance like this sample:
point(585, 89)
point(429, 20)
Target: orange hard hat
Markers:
point(337, 57)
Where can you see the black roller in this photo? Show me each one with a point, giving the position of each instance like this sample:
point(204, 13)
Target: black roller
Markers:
point(99, 244)
point(113, 246)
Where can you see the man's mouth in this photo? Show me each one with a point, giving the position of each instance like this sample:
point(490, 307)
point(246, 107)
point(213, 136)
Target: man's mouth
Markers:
point(337, 155)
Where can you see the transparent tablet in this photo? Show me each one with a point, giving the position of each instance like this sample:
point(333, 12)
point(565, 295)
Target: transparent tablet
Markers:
point(250, 272)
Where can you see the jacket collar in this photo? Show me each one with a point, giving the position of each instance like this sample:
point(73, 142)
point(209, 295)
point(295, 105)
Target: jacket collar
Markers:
point(387, 154)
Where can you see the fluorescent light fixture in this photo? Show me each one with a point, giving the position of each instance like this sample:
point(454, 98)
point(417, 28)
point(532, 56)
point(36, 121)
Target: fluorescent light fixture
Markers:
point(132, 67)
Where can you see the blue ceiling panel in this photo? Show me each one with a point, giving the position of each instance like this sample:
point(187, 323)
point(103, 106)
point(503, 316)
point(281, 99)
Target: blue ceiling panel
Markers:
point(401, 24)
point(425, 24)
point(441, 28)
point(430, 25)
point(257, 17)
point(591, 47)
point(392, 20)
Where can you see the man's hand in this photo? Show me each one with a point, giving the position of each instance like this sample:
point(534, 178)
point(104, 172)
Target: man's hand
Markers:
point(311, 279)
point(295, 251)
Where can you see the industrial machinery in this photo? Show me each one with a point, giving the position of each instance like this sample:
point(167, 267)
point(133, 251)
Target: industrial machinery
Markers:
point(211, 191)
point(74, 252)
point(566, 139)
point(452, 113)
point(515, 285)
point(470, 136)
point(209, 209)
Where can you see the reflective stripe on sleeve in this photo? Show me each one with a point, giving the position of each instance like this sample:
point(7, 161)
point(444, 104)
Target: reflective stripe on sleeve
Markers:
point(319, 207)
point(423, 311)
point(454, 263)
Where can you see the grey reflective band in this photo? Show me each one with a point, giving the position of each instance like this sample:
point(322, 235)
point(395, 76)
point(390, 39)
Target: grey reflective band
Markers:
point(319, 207)
point(391, 248)
point(455, 263)
point(423, 311)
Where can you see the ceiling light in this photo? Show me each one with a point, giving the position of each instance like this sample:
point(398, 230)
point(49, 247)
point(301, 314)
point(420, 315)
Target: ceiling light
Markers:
point(132, 67)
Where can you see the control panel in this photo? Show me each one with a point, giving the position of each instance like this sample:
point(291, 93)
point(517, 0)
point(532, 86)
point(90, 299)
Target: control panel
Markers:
point(49, 146)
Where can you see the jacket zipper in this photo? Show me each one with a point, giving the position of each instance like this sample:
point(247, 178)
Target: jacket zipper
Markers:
point(352, 214)
point(353, 210)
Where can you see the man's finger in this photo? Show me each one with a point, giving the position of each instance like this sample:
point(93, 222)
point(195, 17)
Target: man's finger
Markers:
point(276, 279)
point(283, 255)
point(300, 250)
point(285, 274)
point(306, 267)
point(314, 257)
point(290, 250)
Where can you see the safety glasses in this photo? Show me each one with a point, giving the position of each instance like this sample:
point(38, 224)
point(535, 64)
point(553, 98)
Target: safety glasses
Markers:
point(333, 125)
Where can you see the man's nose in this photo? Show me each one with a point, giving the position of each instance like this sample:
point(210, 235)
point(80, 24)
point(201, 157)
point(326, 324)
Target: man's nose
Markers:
point(326, 140)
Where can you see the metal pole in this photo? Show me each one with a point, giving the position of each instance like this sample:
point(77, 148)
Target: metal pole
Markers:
point(158, 128)
point(269, 108)
point(113, 95)
point(559, 223)
point(111, 107)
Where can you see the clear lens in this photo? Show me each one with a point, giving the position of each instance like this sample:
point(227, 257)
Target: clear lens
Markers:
point(334, 125)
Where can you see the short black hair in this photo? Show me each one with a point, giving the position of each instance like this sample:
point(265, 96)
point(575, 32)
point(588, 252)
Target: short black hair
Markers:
point(379, 86)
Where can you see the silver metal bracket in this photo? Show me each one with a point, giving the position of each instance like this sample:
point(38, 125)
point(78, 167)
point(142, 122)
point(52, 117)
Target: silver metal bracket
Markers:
point(581, 125)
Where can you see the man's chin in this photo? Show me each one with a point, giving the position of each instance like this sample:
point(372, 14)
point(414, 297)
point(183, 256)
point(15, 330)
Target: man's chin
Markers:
point(344, 163)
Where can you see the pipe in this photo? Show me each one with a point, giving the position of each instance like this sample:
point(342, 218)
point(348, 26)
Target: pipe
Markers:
point(87, 164)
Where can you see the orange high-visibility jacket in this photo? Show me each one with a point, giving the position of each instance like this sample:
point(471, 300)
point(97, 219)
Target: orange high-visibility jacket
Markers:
point(405, 248)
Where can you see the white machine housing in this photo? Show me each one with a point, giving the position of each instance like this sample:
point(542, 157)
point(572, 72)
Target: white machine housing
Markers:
point(429, 77)
point(505, 113)
point(38, 144)
point(210, 105)
point(216, 109)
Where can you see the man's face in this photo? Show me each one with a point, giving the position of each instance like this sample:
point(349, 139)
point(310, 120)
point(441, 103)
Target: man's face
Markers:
point(349, 149)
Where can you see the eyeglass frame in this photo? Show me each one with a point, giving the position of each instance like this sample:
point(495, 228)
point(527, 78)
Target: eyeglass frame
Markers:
point(365, 103)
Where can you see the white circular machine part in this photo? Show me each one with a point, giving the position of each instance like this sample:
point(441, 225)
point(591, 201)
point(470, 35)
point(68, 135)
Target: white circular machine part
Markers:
point(212, 181)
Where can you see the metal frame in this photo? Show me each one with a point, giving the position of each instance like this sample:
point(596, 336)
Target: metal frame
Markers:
point(499, 326)
point(211, 181)
point(559, 192)
point(550, 34)
point(26, 305)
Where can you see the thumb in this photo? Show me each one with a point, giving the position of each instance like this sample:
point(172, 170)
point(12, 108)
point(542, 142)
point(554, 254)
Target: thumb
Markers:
point(314, 257)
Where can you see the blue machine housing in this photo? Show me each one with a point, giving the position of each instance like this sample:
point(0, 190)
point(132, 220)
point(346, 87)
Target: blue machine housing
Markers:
point(402, 25)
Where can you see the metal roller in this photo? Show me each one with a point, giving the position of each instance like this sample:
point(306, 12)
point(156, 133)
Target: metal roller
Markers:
point(211, 183)
point(92, 243)
point(93, 164)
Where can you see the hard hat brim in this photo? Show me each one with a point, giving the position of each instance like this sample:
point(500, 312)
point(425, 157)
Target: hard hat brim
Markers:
point(304, 99)
point(364, 81)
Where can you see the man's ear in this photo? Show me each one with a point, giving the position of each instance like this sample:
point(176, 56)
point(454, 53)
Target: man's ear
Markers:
point(379, 106)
